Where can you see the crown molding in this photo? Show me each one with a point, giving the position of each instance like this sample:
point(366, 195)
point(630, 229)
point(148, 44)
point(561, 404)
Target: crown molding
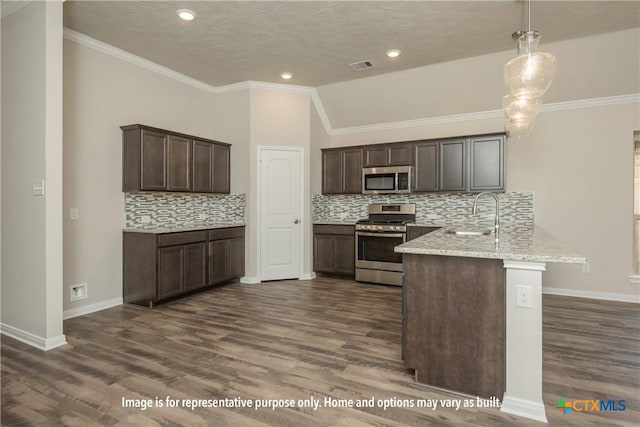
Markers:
point(453, 118)
point(490, 114)
point(592, 102)
point(152, 66)
point(135, 60)
point(12, 6)
point(315, 97)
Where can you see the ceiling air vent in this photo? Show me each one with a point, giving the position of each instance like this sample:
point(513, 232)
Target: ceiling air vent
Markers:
point(362, 65)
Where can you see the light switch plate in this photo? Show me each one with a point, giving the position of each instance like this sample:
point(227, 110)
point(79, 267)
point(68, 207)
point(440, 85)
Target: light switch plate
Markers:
point(37, 187)
point(74, 214)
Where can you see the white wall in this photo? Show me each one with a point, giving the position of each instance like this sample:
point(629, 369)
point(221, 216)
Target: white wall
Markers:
point(318, 140)
point(101, 93)
point(32, 150)
point(278, 118)
point(578, 162)
point(589, 67)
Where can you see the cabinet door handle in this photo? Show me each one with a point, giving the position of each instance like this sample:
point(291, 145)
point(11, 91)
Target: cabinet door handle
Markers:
point(296, 221)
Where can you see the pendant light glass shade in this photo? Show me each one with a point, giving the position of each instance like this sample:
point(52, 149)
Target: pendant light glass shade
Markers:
point(531, 72)
point(521, 109)
point(517, 130)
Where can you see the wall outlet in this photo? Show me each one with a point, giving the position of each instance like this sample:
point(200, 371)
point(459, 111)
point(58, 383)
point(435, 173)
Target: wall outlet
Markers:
point(586, 267)
point(145, 219)
point(78, 292)
point(343, 215)
point(524, 296)
point(74, 214)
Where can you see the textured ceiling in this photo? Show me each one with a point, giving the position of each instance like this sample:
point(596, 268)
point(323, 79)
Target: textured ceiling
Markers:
point(234, 41)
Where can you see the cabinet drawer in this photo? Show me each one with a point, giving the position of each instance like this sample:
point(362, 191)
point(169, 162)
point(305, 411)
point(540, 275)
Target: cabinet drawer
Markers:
point(226, 233)
point(171, 239)
point(334, 229)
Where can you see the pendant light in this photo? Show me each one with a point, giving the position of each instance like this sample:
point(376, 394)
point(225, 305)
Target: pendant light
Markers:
point(528, 76)
point(531, 72)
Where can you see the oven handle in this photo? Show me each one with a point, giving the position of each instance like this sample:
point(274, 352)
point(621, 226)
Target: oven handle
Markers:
point(360, 233)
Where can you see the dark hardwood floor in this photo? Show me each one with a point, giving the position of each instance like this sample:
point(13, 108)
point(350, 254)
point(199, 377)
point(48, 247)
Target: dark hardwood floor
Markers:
point(296, 340)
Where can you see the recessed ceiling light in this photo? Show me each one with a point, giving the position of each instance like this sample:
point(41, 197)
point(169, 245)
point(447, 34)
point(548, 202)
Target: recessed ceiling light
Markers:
point(286, 76)
point(186, 14)
point(394, 53)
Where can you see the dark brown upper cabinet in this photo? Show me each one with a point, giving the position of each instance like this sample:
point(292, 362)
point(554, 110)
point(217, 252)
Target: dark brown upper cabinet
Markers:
point(426, 168)
point(396, 154)
point(148, 164)
point(459, 164)
point(453, 165)
point(178, 164)
point(486, 158)
point(474, 163)
point(202, 166)
point(342, 171)
point(221, 168)
point(160, 160)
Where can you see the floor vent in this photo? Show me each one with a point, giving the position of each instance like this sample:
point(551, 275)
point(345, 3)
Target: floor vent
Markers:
point(362, 65)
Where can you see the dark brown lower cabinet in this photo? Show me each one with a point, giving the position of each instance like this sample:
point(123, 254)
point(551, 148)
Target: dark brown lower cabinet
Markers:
point(453, 328)
point(170, 271)
point(415, 231)
point(195, 266)
point(181, 268)
point(334, 249)
point(158, 266)
point(226, 254)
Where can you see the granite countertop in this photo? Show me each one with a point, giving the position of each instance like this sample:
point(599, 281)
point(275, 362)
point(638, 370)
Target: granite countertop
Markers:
point(518, 244)
point(154, 229)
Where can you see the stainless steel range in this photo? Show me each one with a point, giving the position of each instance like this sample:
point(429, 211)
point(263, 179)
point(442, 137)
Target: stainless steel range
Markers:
point(376, 238)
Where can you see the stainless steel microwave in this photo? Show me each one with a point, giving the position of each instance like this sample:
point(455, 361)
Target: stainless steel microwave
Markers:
point(387, 180)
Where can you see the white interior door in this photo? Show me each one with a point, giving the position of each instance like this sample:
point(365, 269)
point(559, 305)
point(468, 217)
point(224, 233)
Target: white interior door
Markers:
point(280, 213)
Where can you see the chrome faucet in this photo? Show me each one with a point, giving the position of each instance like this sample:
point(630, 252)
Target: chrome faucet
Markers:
point(474, 211)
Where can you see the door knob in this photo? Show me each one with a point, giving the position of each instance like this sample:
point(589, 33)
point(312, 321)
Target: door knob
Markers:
point(295, 221)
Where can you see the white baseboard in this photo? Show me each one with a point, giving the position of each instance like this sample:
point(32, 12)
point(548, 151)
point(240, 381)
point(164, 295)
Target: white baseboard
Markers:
point(40, 343)
point(91, 308)
point(524, 408)
point(255, 280)
point(591, 294)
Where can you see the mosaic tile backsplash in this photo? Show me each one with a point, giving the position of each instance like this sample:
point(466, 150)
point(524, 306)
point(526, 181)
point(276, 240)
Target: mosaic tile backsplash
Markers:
point(516, 208)
point(144, 210)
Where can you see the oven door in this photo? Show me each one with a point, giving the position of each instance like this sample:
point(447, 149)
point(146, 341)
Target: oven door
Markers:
point(376, 250)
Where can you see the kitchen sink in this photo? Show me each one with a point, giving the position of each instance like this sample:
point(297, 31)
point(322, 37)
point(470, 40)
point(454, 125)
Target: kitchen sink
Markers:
point(468, 231)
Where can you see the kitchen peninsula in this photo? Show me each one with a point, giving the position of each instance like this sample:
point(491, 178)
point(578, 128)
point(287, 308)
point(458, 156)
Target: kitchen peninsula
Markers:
point(472, 313)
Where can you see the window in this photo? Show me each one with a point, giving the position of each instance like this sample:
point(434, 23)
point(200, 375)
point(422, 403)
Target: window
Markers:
point(636, 207)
